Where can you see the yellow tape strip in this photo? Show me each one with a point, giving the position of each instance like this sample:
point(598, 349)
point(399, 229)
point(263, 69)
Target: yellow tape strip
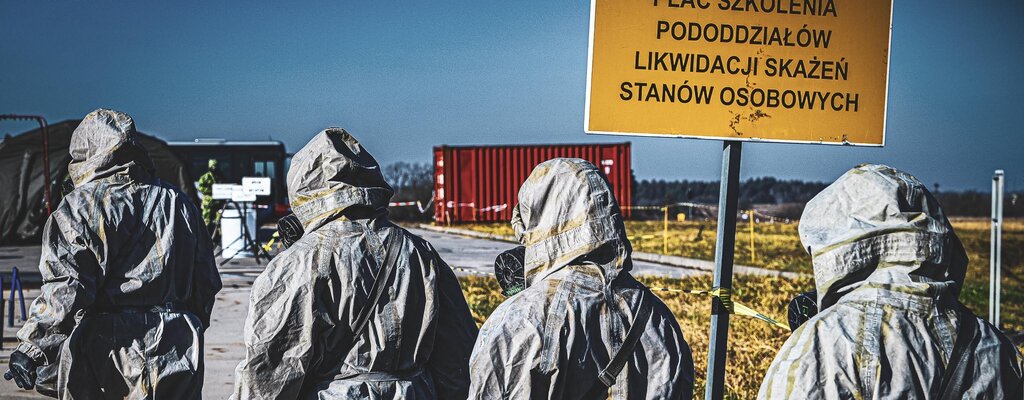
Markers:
point(720, 293)
point(749, 312)
point(726, 298)
point(701, 292)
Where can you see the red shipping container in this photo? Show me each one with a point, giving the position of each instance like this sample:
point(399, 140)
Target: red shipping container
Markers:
point(481, 183)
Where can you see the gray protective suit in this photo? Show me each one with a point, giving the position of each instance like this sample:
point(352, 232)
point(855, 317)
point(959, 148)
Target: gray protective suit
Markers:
point(888, 268)
point(299, 336)
point(129, 277)
point(551, 340)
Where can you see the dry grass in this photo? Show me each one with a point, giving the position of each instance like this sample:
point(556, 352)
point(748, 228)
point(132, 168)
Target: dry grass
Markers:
point(777, 247)
point(752, 344)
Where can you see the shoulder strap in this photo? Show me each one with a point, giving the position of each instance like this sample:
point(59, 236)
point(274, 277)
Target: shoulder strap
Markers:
point(618, 361)
point(393, 247)
point(954, 379)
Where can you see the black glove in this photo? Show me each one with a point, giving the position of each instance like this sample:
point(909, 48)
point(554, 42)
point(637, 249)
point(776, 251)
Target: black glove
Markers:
point(802, 308)
point(290, 229)
point(509, 270)
point(22, 370)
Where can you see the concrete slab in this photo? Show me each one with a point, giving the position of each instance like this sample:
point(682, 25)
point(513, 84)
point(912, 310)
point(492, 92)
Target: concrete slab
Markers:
point(472, 255)
point(224, 344)
point(644, 263)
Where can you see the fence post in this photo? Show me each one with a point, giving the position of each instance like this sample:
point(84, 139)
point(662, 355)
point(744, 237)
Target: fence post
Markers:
point(10, 305)
point(16, 284)
point(753, 256)
point(664, 236)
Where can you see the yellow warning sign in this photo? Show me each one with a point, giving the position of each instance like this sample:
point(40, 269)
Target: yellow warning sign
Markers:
point(808, 71)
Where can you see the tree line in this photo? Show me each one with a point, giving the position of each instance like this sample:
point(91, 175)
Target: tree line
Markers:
point(778, 197)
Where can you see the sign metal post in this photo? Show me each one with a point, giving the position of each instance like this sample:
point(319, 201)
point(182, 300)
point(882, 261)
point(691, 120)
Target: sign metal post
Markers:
point(728, 197)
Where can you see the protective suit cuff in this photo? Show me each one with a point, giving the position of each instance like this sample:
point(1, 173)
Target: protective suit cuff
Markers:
point(32, 351)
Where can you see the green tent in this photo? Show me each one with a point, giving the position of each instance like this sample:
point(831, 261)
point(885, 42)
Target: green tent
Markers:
point(23, 200)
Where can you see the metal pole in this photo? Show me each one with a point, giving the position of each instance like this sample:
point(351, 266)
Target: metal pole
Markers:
point(995, 255)
point(725, 246)
point(10, 305)
point(992, 257)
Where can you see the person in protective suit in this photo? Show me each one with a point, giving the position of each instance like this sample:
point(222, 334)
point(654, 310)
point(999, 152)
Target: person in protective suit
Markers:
point(208, 205)
point(583, 328)
point(357, 308)
point(888, 270)
point(129, 279)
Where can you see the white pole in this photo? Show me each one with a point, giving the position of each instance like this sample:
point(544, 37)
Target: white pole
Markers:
point(996, 248)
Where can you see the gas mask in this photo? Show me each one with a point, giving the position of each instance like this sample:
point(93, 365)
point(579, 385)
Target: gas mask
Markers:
point(290, 229)
point(802, 308)
point(509, 270)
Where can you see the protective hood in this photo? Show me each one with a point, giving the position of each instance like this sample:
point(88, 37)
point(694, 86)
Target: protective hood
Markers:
point(104, 145)
point(878, 224)
point(333, 175)
point(567, 213)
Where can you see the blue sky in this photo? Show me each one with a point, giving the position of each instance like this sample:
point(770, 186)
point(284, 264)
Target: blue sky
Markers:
point(405, 76)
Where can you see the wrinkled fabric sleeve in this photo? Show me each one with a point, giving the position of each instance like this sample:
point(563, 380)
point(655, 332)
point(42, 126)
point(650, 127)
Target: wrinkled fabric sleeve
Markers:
point(279, 330)
point(488, 379)
point(456, 334)
point(1013, 371)
point(505, 363)
point(206, 281)
point(791, 371)
point(817, 361)
point(71, 273)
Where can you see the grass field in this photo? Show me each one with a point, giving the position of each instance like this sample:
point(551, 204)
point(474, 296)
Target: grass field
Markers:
point(777, 246)
point(752, 343)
